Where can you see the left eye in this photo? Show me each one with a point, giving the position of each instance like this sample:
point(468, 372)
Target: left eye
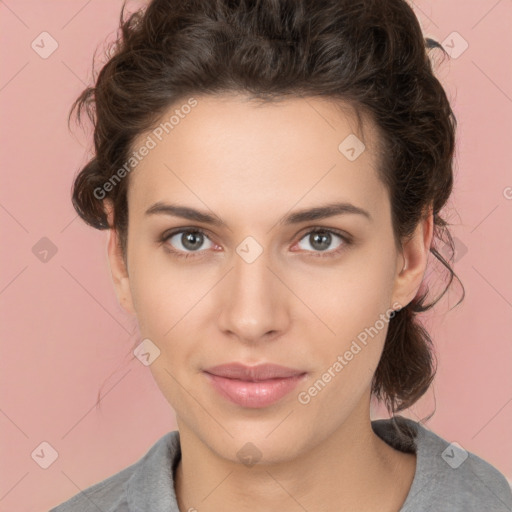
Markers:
point(320, 239)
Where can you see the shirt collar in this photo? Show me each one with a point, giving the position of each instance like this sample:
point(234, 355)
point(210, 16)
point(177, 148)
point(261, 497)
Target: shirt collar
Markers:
point(151, 486)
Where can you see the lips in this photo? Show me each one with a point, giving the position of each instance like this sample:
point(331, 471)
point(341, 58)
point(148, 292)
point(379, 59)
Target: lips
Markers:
point(253, 386)
point(256, 373)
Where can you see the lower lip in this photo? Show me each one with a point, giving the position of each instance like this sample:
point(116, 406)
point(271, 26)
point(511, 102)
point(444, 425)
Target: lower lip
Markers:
point(254, 394)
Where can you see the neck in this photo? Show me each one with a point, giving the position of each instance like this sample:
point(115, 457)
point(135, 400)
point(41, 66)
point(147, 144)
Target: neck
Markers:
point(350, 469)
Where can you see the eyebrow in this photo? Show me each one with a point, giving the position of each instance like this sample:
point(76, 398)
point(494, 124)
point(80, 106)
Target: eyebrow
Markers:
point(306, 215)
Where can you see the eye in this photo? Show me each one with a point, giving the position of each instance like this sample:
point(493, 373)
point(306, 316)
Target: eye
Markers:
point(185, 242)
point(321, 238)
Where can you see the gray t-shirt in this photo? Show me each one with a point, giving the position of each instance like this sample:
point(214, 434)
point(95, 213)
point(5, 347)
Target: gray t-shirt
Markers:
point(447, 478)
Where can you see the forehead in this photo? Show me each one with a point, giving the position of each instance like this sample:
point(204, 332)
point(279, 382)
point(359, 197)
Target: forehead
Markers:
point(257, 155)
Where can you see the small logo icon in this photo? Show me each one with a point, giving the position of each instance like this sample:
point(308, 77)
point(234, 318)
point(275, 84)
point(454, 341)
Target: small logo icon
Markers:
point(459, 250)
point(351, 147)
point(249, 249)
point(454, 455)
point(45, 455)
point(249, 454)
point(146, 352)
point(455, 45)
point(44, 250)
point(44, 45)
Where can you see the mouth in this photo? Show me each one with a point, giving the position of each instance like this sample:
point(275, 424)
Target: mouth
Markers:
point(253, 387)
point(255, 373)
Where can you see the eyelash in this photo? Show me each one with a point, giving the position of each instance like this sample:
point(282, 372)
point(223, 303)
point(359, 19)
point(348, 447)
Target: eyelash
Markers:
point(318, 254)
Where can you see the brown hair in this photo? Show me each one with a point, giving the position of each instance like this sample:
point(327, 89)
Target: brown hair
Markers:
point(368, 54)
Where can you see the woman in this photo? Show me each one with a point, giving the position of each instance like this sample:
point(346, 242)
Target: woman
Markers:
point(272, 174)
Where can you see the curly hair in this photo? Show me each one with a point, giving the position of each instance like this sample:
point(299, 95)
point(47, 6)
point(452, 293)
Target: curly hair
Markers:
point(368, 54)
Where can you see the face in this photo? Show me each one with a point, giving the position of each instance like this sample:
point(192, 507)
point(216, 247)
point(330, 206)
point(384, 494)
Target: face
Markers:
point(261, 286)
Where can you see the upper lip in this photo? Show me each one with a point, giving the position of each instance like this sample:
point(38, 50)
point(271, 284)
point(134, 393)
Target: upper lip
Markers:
point(253, 373)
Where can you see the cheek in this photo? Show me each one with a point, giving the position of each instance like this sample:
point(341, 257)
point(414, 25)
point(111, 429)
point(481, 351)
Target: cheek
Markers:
point(348, 357)
point(351, 318)
point(159, 296)
point(165, 372)
point(350, 297)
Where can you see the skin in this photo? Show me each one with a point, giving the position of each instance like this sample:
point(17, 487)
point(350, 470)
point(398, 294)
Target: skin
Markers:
point(250, 165)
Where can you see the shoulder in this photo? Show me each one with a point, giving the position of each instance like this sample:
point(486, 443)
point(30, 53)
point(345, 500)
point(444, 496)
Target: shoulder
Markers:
point(113, 493)
point(450, 478)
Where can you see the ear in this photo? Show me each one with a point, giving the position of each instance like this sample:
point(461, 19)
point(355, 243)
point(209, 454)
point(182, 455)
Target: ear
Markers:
point(118, 267)
point(412, 262)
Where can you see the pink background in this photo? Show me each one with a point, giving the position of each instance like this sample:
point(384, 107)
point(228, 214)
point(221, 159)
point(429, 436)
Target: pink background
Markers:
point(64, 336)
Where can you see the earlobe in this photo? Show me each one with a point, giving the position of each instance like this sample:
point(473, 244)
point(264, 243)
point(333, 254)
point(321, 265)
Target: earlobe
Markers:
point(118, 269)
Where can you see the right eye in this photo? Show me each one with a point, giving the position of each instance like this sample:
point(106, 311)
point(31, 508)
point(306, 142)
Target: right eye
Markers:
point(188, 241)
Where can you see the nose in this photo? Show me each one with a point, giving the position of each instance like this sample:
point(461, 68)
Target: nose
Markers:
point(254, 303)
